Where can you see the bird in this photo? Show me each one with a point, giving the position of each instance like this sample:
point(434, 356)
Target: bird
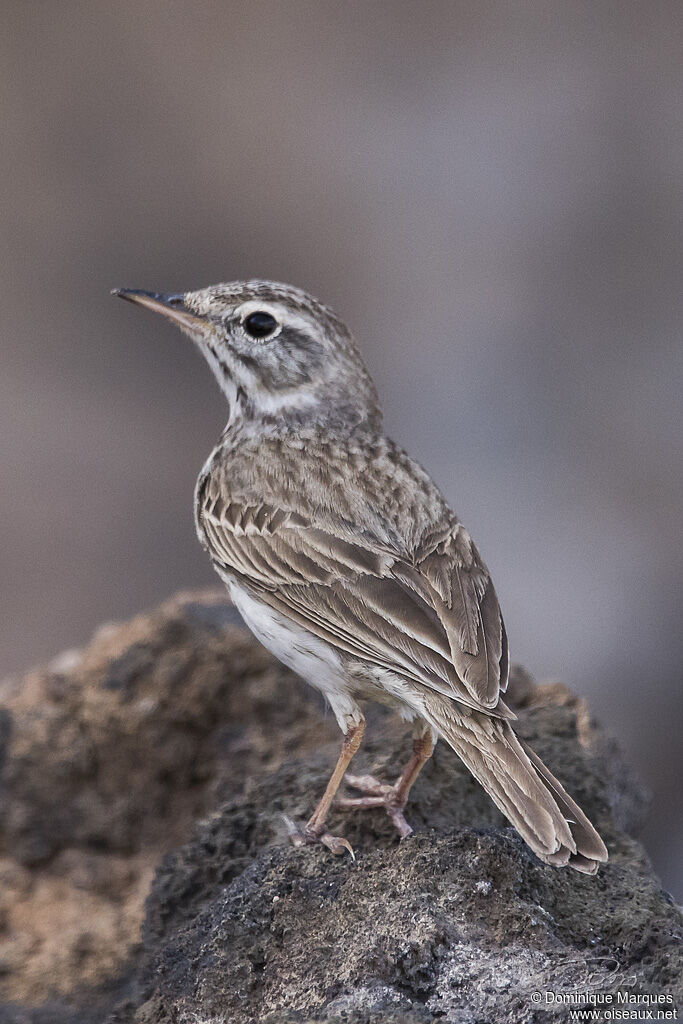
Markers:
point(346, 562)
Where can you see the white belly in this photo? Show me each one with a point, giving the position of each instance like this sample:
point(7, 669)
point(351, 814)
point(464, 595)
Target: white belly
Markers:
point(311, 658)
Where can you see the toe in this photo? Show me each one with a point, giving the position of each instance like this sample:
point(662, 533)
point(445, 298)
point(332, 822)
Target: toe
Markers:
point(305, 836)
point(367, 784)
point(399, 822)
point(389, 798)
point(360, 802)
point(296, 834)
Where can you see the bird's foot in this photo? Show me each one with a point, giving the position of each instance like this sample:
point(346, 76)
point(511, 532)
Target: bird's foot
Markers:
point(378, 794)
point(307, 835)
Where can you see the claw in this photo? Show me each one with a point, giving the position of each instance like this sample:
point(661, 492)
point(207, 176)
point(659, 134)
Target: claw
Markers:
point(307, 837)
point(337, 844)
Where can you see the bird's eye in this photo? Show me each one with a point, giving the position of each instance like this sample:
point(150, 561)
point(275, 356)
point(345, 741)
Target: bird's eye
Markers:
point(260, 325)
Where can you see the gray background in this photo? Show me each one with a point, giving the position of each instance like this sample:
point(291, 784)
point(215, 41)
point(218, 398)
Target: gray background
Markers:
point(490, 194)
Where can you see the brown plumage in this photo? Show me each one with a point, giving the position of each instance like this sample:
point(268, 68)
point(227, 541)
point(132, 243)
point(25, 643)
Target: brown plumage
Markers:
point(346, 561)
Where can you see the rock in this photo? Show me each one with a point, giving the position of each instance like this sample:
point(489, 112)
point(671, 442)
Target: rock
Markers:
point(107, 757)
point(170, 748)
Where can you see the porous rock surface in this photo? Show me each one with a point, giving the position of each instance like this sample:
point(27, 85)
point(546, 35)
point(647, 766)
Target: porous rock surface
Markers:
point(157, 763)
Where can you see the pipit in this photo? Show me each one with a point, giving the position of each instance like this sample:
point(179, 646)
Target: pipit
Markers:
point(345, 560)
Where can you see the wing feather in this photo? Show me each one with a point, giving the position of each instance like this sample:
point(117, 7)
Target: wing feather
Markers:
point(433, 618)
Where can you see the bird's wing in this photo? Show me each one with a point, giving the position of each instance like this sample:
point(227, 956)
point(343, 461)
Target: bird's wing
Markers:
point(433, 618)
point(450, 573)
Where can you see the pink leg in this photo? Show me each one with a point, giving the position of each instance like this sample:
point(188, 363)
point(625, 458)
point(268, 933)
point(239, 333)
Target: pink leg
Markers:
point(315, 831)
point(392, 798)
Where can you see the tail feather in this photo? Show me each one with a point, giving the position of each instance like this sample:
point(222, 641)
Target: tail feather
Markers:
point(587, 839)
point(521, 786)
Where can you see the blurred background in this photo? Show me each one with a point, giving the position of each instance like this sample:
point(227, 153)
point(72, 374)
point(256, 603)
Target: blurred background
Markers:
point(490, 195)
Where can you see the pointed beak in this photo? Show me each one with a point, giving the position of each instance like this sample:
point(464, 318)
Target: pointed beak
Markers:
point(171, 306)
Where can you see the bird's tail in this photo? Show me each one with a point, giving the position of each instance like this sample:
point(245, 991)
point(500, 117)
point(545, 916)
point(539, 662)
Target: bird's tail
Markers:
point(523, 788)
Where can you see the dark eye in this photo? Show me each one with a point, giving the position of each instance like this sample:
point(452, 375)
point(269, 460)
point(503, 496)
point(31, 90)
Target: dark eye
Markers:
point(260, 324)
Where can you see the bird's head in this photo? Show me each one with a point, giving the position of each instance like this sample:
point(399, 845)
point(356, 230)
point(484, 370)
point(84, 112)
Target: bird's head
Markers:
point(280, 356)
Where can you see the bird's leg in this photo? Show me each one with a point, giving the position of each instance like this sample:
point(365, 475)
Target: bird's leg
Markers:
point(315, 831)
point(393, 798)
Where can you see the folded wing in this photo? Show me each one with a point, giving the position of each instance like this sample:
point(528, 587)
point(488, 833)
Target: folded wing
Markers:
point(432, 617)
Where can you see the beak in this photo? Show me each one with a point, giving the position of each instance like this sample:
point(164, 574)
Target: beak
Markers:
point(171, 306)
